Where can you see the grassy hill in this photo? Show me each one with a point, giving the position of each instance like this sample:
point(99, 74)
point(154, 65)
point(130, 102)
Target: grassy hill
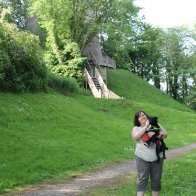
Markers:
point(51, 137)
point(130, 86)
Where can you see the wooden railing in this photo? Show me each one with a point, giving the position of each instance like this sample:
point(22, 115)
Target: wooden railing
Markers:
point(92, 72)
point(104, 92)
point(112, 95)
point(95, 91)
point(102, 84)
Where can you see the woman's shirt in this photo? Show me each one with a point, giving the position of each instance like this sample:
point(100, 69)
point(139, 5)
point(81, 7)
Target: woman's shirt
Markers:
point(145, 152)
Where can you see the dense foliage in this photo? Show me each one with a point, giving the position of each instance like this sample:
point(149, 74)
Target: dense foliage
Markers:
point(18, 11)
point(21, 65)
point(163, 57)
point(63, 84)
point(73, 24)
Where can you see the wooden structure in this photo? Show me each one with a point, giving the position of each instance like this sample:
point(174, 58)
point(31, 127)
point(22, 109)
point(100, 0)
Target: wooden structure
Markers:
point(97, 62)
point(95, 70)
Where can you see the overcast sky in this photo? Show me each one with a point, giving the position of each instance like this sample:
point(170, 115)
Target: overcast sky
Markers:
point(168, 13)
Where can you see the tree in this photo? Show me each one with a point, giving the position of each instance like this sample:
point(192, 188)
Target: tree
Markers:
point(78, 21)
point(146, 54)
point(119, 31)
point(18, 11)
point(54, 17)
point(178, 48)
point(21, 65)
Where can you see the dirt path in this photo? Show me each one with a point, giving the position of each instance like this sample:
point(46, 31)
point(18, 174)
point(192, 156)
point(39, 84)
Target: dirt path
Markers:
point(98, 178)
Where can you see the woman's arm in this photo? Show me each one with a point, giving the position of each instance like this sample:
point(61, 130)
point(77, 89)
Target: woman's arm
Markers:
point(138, 133)
point(163, 133)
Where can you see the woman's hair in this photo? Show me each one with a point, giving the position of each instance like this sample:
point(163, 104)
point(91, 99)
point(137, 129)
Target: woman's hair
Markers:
point(136, 121)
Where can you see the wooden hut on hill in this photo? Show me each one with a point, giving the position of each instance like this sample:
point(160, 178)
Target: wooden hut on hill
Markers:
point(95, 71)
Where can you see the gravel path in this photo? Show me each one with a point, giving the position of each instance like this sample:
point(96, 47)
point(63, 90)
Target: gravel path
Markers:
point(97, 178)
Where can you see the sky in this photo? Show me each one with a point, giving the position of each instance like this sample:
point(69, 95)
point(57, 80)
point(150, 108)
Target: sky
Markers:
point(168, 13)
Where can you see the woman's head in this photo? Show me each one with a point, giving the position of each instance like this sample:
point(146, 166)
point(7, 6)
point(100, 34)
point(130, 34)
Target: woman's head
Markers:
point(139, 118)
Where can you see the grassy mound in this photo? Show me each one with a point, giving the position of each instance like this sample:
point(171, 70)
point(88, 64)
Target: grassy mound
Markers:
point(47, 137)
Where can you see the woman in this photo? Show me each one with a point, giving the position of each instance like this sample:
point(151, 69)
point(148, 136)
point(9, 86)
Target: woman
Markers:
point(146, 156)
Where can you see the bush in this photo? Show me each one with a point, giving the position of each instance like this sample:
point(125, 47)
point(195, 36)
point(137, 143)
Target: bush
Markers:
point(7, 70)
point(63, 84)
point(21, 65)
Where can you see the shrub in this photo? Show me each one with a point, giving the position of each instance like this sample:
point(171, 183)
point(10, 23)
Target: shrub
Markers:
point(21, 65)
point(63, 84)
point(7, 70)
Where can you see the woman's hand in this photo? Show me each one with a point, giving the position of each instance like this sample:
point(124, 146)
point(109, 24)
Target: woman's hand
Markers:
point(150, 134)
point(147, 123)
point(162, 135)
point(138, 133)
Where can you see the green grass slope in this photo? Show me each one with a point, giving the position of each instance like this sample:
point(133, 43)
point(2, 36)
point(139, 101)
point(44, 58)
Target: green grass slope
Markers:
point(130, 86)
point(51, 137)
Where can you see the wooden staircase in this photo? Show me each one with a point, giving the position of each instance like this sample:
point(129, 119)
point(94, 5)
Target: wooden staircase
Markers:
point(90, 68)
point(96, 83)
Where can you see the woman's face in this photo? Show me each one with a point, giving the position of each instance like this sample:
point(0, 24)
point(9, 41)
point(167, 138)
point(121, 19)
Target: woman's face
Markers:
point(142, 118)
